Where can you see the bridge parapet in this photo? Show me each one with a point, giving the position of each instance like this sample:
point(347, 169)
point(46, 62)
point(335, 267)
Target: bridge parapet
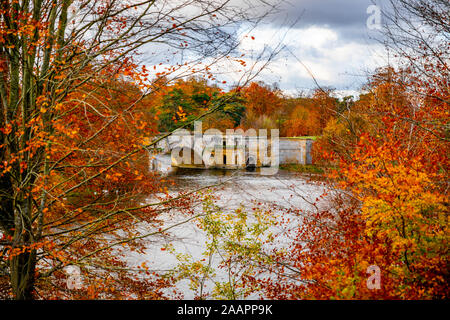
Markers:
point(236, 151)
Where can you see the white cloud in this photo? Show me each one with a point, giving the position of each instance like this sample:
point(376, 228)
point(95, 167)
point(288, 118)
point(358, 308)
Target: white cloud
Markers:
point(333, 60)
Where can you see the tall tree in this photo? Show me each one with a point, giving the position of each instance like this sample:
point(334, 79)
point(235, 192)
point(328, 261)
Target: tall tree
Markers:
point(58, 61)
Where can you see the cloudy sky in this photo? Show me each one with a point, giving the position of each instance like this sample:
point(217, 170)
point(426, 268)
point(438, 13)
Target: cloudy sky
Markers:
point(331, 38)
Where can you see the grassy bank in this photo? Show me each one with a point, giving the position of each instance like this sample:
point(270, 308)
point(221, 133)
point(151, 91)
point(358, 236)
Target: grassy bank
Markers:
point(303, 168)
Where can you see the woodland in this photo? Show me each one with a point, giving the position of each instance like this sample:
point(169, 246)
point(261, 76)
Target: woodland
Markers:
point(79, 112)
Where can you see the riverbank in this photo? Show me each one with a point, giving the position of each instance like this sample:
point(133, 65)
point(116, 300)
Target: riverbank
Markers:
point(303, 168)
point(309, 171)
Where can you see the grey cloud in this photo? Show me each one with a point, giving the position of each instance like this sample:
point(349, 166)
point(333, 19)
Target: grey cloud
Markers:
point(346, 17)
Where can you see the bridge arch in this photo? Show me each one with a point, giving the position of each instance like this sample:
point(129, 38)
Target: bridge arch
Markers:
point(186, 157)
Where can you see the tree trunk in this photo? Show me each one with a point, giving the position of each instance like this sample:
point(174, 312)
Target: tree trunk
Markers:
point(22, 265)
point(22, 275)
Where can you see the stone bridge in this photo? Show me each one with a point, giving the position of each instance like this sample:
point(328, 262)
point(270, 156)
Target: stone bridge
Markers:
point(232, 151)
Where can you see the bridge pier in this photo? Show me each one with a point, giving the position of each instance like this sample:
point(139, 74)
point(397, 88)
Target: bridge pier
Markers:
point(185, 153)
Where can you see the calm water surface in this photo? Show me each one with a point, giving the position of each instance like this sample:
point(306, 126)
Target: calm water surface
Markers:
point(237, 188)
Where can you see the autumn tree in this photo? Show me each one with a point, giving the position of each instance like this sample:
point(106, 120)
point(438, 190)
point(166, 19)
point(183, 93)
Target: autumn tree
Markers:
point(262, 104)
point(310, 115)
point(178, 103)
point(386, 206)
point(386, 203)
point(72, 139)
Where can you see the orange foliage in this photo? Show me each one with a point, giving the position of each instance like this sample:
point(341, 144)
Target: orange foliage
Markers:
point(393, 213)
point(261, 99)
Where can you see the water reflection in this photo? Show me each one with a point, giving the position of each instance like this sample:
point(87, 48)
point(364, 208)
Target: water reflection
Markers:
point(234, 189)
